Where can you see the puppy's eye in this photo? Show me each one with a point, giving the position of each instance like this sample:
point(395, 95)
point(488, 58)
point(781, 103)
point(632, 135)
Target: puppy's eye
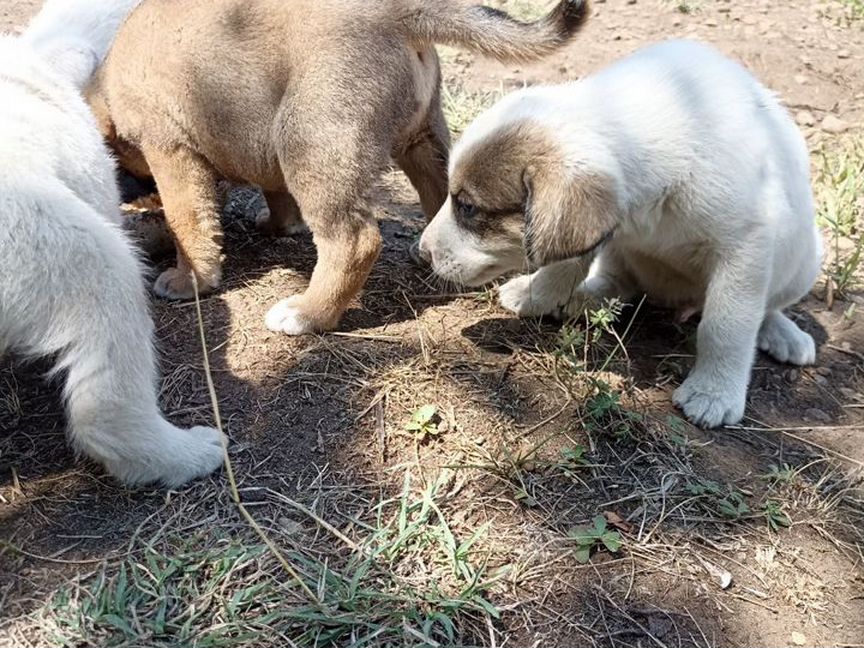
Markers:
point(464, 210)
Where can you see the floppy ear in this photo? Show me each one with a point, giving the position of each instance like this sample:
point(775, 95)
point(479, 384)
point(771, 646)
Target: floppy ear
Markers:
point(567, 216)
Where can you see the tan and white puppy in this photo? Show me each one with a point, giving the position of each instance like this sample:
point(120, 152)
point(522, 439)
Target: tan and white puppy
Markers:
point(71, 285)
point(672, 173)
point(307, 99)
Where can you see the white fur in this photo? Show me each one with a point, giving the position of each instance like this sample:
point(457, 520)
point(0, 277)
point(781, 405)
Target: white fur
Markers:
point(70, 282)
point(285, 317)
point(717, 214)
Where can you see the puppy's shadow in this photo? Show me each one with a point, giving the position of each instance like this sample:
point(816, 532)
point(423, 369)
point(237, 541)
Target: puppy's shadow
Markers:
point(659, 348)
point(250, 256)
point(506, 335)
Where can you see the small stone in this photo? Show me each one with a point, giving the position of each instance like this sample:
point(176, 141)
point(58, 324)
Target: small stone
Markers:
point(822, 381)
point(289, 526)
point(800, 79)
point(711, 23)
point(843, 54)
point(834, 125)
point(799, 639)
point(805, 118)
point(818, 415)
point(792, 375)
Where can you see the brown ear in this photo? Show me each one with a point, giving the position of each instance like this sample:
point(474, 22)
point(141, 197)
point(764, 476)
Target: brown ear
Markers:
point(567, 216)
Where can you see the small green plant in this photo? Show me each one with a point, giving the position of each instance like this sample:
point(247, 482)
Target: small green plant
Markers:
point(677, 427)
point(574, 456)
point(577, 336)
point(775, 516)
point(604, 404)
point(596, 535)
point(524, 497)
point(572, 460)
point(605, 413)
point(839, 181)
point(424, 422)
point(604, 316)
point(856, 9)
point(726, 501)
point(784, 474)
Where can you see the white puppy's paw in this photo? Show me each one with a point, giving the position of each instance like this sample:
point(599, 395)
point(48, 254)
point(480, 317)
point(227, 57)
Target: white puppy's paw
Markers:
point(528, 296)
point(785, 342)
point(199, 455)
point(519, 297)
point(171, 456)
point(709, 403)
point(287, 317)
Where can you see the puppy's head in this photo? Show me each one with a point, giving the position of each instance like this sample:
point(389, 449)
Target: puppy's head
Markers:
point(517, 200)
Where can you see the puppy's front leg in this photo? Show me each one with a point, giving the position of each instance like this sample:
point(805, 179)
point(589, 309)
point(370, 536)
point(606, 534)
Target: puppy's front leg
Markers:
point(715, 392)
point(551, 290)
point(566, 288)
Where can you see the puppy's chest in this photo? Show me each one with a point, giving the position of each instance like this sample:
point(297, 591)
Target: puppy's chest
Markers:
point(670, 262)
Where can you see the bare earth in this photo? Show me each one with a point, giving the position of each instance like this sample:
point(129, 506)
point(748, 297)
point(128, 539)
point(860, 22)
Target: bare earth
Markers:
point(322, 419)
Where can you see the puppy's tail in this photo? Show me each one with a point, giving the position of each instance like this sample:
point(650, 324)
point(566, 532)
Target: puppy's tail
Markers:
point(493, 32)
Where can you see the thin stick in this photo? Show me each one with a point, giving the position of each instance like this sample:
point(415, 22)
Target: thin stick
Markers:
point(60, 561)
point(319, 521)
point(229, 467)
point(788, 431)
point(850, 352)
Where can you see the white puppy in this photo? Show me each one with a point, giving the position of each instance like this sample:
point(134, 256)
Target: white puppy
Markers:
point(672, 173)
point(70, 283)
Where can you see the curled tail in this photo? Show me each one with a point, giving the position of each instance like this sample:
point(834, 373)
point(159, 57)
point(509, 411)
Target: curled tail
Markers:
point(493, 32)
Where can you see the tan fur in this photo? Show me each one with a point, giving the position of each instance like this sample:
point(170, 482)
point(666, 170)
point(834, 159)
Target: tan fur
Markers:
point(307, 99)
point(518, 180)
point(567, 216)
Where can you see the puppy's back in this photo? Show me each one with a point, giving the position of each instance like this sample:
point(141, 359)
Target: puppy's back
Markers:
point(47, 132)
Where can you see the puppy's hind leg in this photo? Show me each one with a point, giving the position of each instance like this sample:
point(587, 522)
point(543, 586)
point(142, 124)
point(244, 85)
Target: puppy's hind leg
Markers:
point(281, 215)
point(784, 341)
point(333, 200)
point(423, 158)
point(779, 336)
point(88, 306)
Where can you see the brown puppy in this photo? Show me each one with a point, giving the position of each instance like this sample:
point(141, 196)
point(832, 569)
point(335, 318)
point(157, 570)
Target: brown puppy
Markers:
point(308, 99)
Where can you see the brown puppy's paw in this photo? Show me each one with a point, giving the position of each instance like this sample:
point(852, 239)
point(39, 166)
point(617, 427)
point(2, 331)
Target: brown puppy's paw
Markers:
point(293, 316)
point(176, 284)
point(266, 224)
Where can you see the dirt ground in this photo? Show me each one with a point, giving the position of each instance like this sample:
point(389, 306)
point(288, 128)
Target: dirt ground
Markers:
point(321, 420)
